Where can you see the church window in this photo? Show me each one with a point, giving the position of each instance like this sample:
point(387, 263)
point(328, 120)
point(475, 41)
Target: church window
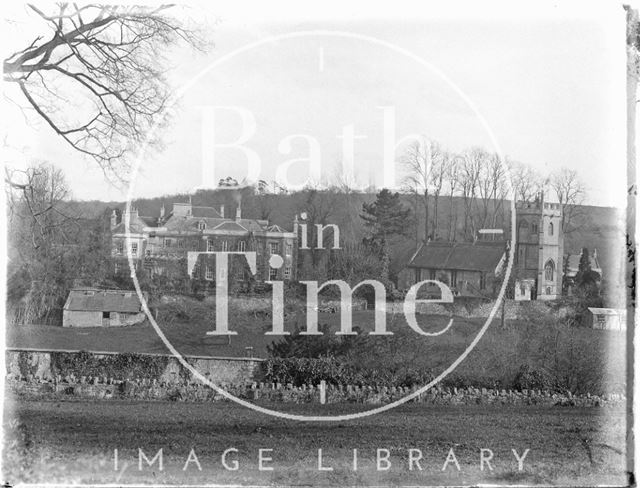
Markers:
point(549, 270)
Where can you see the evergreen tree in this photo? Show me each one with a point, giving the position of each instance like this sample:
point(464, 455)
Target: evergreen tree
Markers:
point(385, 219)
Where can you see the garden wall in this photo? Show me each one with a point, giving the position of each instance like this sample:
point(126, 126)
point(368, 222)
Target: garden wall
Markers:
point(48, 365)
point(106, 388)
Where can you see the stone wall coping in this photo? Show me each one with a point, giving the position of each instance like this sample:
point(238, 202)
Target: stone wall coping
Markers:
point(112, 353)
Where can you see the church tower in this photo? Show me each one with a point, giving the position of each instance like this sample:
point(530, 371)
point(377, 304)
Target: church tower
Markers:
point(539, 247)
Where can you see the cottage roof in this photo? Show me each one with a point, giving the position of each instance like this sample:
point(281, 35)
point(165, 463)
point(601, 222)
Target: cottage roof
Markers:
point(468, 256)
point(607, 311)
point(94, 300)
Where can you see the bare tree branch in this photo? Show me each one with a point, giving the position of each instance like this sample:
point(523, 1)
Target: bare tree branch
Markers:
point(108, 61)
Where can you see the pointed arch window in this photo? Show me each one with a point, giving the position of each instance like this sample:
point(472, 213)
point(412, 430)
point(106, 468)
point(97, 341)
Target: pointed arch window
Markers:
point(550, 228)
point(549, 270)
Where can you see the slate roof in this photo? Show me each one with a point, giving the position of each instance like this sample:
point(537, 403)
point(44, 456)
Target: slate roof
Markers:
point(468, 256)
point(93, 300)
point(573, 264)
point(136, 225)
point(208, 212)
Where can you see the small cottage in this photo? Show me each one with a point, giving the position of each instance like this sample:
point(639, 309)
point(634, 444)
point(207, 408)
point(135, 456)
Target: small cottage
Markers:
point(92, 307)
point(608, 318)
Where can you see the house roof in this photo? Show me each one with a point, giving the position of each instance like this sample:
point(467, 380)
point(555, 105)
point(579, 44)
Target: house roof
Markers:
point(209, 212)
point(231, 226)
point(93, 300)
point(136, 224)
point(469, 256)
point(573, 264)
point(607, 311)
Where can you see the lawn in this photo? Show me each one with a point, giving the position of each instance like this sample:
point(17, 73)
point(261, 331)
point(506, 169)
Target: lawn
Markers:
point(73, 442)
point(579, 359)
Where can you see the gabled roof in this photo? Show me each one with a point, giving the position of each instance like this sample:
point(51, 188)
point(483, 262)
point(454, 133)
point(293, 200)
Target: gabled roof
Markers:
point(136, 224)
point(275, 228)
point(208, 212)
point(467, 256)
point(92, 300)
point(231, 226)
point(573, 264)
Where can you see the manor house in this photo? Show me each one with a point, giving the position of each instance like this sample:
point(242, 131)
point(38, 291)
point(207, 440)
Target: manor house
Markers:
point(165, 245)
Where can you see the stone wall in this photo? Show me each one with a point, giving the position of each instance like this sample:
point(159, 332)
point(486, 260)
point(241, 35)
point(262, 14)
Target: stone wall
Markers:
point(106, 388)
point(38, 364)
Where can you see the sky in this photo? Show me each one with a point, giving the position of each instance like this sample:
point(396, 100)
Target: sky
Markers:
point(543, 85)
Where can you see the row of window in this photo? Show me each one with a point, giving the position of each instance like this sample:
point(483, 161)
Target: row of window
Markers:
point(534, 227)
point(274, 247)
point(209, 273)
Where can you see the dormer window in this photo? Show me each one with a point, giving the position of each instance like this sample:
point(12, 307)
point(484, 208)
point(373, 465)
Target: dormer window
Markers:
point(202, 225)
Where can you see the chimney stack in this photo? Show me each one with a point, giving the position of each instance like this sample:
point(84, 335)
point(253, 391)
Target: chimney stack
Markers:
point(114, 218)
point(222, 210)
point(239, 211)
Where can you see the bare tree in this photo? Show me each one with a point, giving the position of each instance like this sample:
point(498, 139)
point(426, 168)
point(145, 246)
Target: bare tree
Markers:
point(525, 181)
point(469, 175)
point(453, 176)
point(50, 245)
point(425, 163)
point(570, 192)
point(95, 75)
point(439, 172)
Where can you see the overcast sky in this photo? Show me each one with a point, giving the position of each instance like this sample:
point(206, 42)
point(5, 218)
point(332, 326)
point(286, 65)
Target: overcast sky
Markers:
point(549, 84)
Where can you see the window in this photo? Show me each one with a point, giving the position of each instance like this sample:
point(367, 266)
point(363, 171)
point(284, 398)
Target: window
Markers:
point(208, 273)
point(210, 245)
point(273, 248)
point(241, 246)
point(202, 225)
point(180, 242)
point(534, 228)
point(432, 274)
point(134, 248)
point(273, 274)
point(548, 290)
point(105, 315)
point(167, 243)
point(119, 247)
point(522, 290)
point(288, 249)
point(549, 270)
point(224, 246)
point(116, 268)
point(287, 272)
point(550, 228)
point(482, 281)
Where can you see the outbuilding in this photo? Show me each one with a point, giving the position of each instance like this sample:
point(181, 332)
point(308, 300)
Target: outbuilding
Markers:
point(93, 307)
point(608, 318)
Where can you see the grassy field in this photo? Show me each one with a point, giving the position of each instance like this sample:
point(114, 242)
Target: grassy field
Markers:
point(583, 360)
point(69, 442)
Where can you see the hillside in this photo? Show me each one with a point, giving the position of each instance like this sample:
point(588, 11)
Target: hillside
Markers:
point(601, 228)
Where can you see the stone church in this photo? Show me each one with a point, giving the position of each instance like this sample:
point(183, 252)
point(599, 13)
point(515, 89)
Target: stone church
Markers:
point(539, 254)
point(471, 269)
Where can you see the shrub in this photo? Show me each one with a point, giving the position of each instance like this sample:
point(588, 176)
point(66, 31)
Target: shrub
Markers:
point(120, 366)
point(532, 379)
